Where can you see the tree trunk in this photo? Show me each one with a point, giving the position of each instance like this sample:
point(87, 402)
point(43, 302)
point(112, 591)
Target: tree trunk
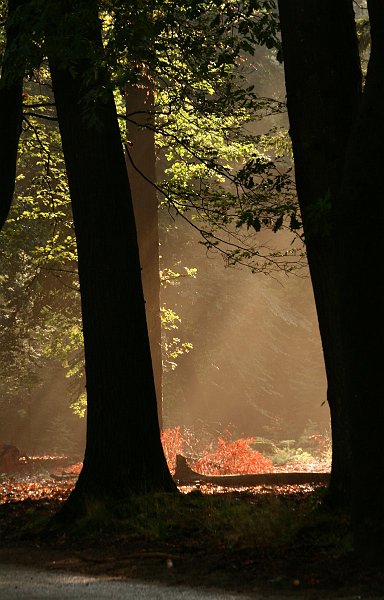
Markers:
point(141, 165)
point(354, 283)
point(361, 230)
point(323, 81)
point(11, 88)
point(123, 449)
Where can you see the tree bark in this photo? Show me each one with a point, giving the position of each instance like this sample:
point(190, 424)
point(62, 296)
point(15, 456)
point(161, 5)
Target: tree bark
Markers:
point(123, 449)
point(355, 196)
point(11, 108)
point(361, 219)
point(323, 82)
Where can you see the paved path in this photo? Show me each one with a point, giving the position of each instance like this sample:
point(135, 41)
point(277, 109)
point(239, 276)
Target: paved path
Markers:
point(20, 583)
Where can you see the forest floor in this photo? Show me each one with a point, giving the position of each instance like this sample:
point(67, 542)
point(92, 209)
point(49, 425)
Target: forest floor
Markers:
point(275, 540)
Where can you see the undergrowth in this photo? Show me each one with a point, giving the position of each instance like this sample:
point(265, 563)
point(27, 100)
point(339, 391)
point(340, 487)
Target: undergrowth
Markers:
point(225, 455)
point(237, 540)
point(267, 524)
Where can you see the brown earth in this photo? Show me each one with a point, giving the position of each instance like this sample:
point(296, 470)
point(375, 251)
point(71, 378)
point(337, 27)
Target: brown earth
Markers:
point(306, 568)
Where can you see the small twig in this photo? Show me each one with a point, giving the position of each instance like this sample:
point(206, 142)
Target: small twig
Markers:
point(40, 116)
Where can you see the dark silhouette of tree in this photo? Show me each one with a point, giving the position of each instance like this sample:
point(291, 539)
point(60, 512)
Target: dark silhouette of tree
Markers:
point(337, 129)
point(123, 450)
point(323, 93)
point(11, 87)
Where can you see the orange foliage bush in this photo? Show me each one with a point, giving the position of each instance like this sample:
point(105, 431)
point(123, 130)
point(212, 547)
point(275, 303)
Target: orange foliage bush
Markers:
point(220, 458)
point(233, 458)
point(172, 444)
point(74, 469)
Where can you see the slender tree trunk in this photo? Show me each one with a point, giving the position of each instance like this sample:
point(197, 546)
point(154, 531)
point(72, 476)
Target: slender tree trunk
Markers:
point(323, 81)
point(123, 449)
point(141, 165)
point(11, 88)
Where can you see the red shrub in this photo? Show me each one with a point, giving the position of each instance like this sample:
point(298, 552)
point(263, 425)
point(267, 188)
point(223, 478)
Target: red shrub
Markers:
point(172, 444)
point(233, 458)
point(74, 469)
point(219, 458)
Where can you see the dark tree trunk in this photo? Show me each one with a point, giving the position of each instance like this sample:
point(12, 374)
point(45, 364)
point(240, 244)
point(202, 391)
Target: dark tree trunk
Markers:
point(141, 165)
point(123, 450)
point(361, 233)
point(323, 81)
point(355, 217)
point(11, 88)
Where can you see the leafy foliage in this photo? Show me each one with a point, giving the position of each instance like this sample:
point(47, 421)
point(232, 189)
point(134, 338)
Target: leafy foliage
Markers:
point(195, 37)
point(223, 180)
point(197, 56)
point(217, 175)
point(173, 444)
point(220, 457)
point(172, 347)
point(233, 457)
point(225, 455)
point(40, 314)
point(312, 451)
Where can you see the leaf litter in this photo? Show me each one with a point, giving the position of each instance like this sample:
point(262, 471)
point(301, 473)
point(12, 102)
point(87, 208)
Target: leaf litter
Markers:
point(313, 559)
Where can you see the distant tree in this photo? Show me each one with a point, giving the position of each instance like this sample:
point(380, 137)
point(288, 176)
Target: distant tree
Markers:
point(337, 128)
point(141, 165)
point(212, 171)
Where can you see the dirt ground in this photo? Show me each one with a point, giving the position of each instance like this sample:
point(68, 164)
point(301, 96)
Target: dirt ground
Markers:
point(305, 569)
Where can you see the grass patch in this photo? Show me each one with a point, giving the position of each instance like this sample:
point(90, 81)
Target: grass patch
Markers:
point(268, 523)
point(235, 540)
